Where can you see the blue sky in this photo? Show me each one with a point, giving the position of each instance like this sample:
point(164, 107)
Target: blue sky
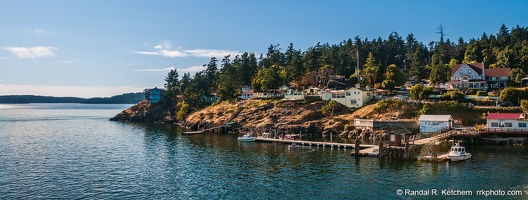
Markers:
point(104, 48)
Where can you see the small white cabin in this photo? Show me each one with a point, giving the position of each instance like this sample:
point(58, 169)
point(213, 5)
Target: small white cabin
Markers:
point(434, 123)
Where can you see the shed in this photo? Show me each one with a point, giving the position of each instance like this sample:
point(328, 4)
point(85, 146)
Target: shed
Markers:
point(434, 123)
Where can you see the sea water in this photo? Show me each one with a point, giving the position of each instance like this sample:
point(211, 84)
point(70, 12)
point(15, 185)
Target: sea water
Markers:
point(72, 151)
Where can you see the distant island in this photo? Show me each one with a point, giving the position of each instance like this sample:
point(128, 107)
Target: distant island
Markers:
point(128, 98)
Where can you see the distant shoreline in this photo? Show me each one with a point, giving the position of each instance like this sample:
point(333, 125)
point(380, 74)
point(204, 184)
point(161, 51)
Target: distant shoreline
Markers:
point(128, 98)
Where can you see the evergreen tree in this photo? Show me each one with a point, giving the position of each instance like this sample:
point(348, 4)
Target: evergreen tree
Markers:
point(393, 77)
point(371, 70)
point(172, 79)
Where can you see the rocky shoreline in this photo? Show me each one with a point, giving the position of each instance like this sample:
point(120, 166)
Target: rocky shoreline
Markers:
point(145, 112)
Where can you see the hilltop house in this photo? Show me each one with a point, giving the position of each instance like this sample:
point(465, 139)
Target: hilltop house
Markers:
point(247, 93)
point(433, 123)
point(154, 95)
point(312, 91)
point(292, 94)
point(507, 122)
point(476, 76)
point(352, 97)
point(268, 94)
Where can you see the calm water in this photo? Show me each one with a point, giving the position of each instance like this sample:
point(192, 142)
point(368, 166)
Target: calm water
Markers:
point(72, 151)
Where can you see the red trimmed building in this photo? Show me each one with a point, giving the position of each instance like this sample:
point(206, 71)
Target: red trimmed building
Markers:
point(476, 76)
point(507, 122)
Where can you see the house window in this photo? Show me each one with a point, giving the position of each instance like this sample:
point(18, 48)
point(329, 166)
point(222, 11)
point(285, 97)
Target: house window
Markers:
point(347, 93)
point(353, 101)
point(508, 124)
point(469, 71)
point(474, 77)
point(522, 125)
point(460, 71)
point(457, 78)
point(494, 124)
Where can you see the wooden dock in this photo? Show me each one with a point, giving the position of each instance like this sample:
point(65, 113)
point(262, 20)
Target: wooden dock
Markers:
point(313, 143)
point(193, 132)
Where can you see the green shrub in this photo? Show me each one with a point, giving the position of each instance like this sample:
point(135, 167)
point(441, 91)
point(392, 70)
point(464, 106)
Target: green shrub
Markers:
point(482, 93)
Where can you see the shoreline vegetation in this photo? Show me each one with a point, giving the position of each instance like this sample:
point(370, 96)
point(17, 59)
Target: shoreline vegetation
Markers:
point(128, 98)
point(306, 117)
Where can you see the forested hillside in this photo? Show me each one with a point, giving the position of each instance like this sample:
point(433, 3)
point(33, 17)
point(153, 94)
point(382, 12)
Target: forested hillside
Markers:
point(377, 58)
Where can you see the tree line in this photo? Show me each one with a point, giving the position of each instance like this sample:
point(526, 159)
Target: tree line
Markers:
point(383, 63)
point(128, 98)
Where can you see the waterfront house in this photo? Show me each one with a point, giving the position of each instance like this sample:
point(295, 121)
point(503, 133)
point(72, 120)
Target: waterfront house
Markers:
point(154, 95)
point(312, 92)
point(284, 87)
point(352, 97)
point(435, 123)
point(476, 76)
point(507, 122)
point(269, 94)
point(292, 94)
point(247, 93)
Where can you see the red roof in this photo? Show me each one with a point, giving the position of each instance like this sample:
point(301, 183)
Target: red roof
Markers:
point(497, 72)
point(477, 67)
point(504, 116)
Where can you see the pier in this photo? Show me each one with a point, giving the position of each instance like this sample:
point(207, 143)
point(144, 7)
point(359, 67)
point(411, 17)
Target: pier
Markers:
point(312, 143)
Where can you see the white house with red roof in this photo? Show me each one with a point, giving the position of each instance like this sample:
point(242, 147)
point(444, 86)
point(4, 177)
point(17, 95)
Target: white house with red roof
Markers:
point(507, 122)
point(247, 93)
point(476, 76)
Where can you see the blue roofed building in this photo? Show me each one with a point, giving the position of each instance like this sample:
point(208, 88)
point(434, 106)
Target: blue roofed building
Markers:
point(154, 95)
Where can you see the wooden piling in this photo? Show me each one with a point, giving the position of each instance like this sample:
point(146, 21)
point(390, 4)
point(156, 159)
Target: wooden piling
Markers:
point(356, 148)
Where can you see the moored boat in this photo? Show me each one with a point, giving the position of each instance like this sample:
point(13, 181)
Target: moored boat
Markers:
point(247, 138)
point(458, 153)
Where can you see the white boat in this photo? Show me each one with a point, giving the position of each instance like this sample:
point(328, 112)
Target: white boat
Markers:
point(247, 138)
point(458, 153)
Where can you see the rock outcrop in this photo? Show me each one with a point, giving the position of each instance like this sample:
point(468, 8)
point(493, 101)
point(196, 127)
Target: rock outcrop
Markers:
point(144, 112)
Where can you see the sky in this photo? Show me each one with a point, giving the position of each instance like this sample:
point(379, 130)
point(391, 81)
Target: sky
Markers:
point(99, 48)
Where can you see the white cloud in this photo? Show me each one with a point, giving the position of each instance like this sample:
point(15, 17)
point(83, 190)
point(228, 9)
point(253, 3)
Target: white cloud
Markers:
point(37, 31)
point(172, 54)
point(164, 49)
point(211, 53)
point(67, 91)
point(32, 52)
point(192, 70)
point(155, 69)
